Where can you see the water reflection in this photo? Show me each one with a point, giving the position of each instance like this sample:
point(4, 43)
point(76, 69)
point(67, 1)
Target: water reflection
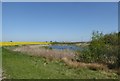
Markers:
point(65, 47)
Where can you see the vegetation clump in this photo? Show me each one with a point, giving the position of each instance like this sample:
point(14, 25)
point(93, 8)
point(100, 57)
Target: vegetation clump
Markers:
point(103, 48)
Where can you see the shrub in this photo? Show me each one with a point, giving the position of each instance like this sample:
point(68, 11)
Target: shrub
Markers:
point(103, 49)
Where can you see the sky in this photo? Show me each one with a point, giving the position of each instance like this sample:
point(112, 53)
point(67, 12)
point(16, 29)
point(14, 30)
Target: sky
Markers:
point(0, 22)
point(60, 0)
point(57, 21)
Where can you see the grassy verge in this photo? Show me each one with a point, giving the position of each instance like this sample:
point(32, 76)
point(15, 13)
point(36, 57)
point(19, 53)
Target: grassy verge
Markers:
point(20, 66)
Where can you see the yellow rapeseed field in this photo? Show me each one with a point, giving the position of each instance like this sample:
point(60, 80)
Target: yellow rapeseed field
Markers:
point(22, 43)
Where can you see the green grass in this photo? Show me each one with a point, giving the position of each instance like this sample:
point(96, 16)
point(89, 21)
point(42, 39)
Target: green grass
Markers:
point(0, 60)
point(20, 66)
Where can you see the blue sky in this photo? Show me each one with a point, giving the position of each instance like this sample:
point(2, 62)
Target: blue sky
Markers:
point(65, 21)
point(0, 22)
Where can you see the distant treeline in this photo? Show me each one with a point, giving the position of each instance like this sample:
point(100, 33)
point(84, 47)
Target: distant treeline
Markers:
point(68, 42)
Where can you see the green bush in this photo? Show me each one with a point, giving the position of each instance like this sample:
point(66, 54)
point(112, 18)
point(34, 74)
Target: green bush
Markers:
point(103, 49)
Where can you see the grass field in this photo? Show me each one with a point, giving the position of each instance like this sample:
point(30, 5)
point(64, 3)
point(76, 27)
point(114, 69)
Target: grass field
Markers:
point(0, 63)
point(21, 66)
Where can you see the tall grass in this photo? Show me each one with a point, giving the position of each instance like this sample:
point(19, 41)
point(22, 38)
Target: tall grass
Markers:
point(47, 53)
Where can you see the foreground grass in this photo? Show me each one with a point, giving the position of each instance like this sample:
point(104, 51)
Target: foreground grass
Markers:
point(21, 66)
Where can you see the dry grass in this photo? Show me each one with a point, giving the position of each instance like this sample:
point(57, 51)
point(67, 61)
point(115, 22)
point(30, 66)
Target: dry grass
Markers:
point(37, 50)
point(92, 66)
point(118, 71)
point(65, 55)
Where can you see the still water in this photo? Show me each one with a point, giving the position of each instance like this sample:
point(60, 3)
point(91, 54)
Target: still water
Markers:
point(65, 47)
